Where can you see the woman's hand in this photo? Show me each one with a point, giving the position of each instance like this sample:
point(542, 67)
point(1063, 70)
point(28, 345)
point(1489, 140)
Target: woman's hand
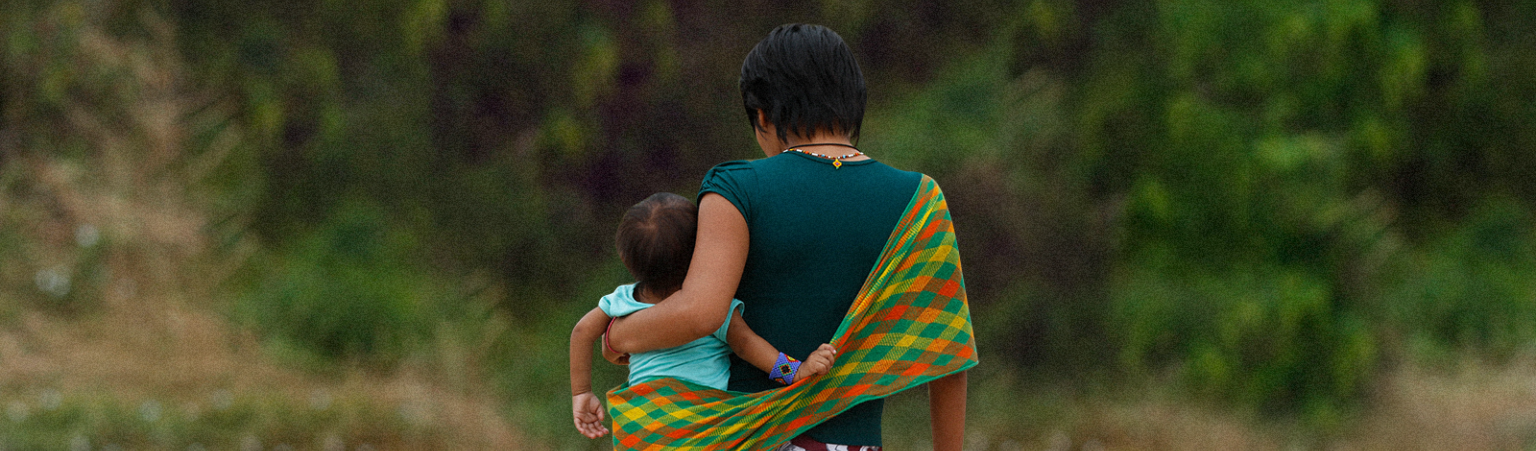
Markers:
point(819, 363)
point(588, 413)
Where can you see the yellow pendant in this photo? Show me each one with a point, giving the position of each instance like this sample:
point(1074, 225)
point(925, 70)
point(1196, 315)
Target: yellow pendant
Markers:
point(837, 164)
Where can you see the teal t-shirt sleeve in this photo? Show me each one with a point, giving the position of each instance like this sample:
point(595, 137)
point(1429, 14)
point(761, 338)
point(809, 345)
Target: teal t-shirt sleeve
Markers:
point(732, 180)
point(621, 302)
point(736, 309)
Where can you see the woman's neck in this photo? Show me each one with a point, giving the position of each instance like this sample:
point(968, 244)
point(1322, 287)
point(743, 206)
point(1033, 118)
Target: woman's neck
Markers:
point(823, 142)
point(818, 137)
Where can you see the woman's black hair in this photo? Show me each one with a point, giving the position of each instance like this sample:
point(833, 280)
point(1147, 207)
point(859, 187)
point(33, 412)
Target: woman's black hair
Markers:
point(655, 241)
point(804, 78)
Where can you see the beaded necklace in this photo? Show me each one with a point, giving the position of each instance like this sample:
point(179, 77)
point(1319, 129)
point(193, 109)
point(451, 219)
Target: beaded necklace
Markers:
point(837, 162)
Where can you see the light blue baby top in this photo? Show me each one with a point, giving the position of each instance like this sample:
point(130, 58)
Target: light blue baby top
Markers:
point(705, 361)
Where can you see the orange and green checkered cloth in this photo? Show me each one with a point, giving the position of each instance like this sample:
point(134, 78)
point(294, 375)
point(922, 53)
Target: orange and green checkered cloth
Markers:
point(909, 325)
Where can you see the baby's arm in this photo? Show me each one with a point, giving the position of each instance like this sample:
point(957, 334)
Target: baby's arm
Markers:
point(755, 350)
point(585, 407)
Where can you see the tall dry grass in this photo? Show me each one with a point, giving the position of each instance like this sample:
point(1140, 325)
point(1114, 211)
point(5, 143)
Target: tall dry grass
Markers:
point(1471, 404)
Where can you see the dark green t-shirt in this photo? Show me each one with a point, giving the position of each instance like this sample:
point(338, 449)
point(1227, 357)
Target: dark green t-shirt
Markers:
point(815, 233)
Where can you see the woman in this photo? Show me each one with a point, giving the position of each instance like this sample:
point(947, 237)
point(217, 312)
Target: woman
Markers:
point(794, 235)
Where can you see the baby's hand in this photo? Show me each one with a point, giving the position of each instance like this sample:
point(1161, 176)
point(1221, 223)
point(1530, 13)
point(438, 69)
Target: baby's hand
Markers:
point(588, 411)
point(818, 363)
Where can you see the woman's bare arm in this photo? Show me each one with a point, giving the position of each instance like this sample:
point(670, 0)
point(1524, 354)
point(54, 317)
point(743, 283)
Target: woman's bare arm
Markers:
point(698, 309)
point(946, 409)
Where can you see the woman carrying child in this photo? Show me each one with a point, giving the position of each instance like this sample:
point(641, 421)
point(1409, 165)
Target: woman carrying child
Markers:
point(794, 235)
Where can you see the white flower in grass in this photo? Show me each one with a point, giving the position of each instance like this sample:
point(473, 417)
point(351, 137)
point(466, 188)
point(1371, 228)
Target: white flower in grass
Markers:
point(87, 236)
point(50, 399)
point(333, 443)
point(17, 411)
point(149, 411)
point(54, 281)
point(222, 399)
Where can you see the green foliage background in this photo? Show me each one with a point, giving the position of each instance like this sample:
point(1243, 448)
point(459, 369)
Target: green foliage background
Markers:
point(1271, 200)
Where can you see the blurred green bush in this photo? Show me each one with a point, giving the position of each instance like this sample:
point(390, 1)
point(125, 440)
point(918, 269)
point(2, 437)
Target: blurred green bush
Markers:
point(1474, 288)
point(352, 288)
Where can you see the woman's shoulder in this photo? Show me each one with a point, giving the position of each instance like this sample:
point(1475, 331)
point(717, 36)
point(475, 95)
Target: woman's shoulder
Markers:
point(909, 176)
point(906, 174)
point(729, 173)
point(898, 175)
point(732, 166)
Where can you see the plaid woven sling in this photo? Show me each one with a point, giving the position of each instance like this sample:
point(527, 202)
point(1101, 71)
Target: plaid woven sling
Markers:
point(910, 324)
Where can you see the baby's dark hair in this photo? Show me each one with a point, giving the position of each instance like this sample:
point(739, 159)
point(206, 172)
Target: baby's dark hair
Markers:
point(655, 241)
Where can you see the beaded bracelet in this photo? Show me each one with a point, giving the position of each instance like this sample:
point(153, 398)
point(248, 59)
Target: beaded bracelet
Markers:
point(784, 369)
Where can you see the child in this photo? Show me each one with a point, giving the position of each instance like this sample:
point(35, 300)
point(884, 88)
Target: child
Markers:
point(655, 242)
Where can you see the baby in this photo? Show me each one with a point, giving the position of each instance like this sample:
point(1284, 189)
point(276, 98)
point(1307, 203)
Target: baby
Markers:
point(655, 242)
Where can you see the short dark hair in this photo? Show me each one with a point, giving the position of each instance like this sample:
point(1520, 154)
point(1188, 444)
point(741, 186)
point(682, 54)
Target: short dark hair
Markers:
point(655, 241)
point(804, 78)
